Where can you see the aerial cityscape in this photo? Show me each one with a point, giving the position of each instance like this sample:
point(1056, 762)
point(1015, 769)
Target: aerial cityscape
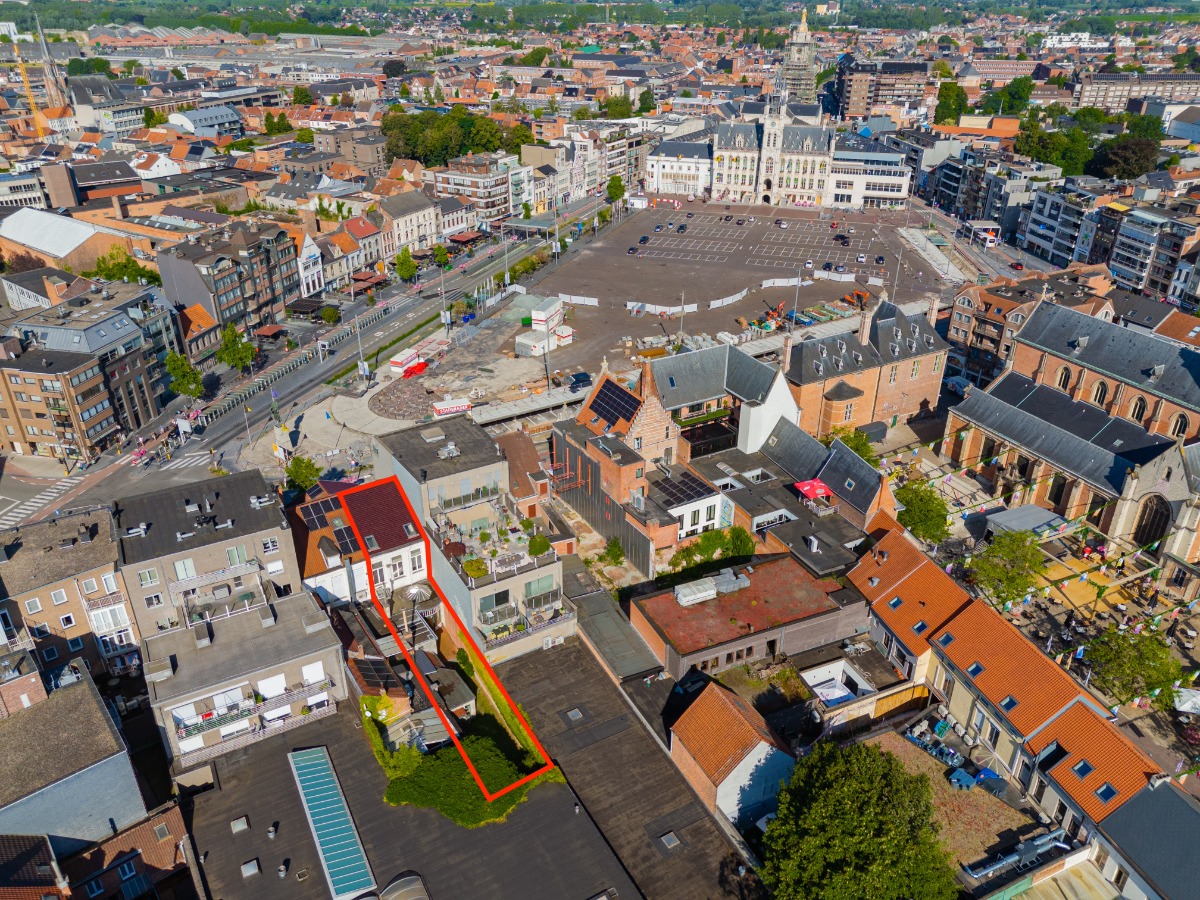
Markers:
point(577, 451)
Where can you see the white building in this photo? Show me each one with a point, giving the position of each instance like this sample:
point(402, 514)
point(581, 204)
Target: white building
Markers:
point(680, 167)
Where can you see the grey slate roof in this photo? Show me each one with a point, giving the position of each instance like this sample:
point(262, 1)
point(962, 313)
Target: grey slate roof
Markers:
point(850, 476)
point(405, 204)
point(46, 552)
point(684, 149)
point(1072, 436)
point(1157, 831)
point(1122, 353)
point(710, 374)
point(738, 136)
point(795, 450)
point(806, 139)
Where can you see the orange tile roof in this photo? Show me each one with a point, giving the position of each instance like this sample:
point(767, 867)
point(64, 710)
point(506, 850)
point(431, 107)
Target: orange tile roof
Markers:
point(719, 730)
point(160, 856)
point(1179, 326)
point(600, 426)
point(343, 242)
point(1086, 735)
point(1012, 666)
point(195, 320)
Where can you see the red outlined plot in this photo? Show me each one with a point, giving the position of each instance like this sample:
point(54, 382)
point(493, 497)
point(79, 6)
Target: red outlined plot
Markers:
point(449, 608)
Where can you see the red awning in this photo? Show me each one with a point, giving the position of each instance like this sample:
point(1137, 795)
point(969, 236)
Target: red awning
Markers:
point(813, 488)
point(466, 237)
point(269, 331)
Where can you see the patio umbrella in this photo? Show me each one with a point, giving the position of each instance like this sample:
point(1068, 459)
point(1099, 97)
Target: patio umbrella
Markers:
point(1187, 701)
point(813, 489)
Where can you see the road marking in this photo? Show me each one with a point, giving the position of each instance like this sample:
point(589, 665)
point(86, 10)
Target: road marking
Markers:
point(14, 515)
point(184, 462)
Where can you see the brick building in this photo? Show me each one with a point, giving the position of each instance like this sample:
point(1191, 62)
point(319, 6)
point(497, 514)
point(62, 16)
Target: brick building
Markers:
point(890, 371)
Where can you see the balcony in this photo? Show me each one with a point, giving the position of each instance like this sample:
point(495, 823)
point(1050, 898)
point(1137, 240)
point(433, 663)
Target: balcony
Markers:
point(18, 639)
point(113, 599)
point(522, 627)
point(445, 504)
point(248, 707)
point(684, 419)
point(256, 734)
point(198, 581)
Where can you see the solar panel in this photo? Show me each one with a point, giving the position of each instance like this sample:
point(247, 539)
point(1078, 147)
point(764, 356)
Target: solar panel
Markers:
point(376, 673)
point(684, 488)
point(345, 539)
point(316, 515)
point(342, 855)
point(614, 404)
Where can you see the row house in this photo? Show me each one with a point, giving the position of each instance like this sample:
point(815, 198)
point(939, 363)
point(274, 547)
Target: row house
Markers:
point(308, 261)
point(369, 238)
point(1093, 420)
point(412, 220)
point(341, 257)
point(487, 179)
point(64, 596)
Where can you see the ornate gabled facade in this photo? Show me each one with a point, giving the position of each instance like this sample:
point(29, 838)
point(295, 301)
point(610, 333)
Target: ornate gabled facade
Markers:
point(773, 161)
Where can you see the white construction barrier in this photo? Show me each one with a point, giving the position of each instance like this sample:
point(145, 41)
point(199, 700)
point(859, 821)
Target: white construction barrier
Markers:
point(729, 301)
point(578, 301)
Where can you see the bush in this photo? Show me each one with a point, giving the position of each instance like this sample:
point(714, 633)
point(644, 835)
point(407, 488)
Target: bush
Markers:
point(464, 662)
point(398, 764)
point(475, 568)
point(539, 544)
point(613, 553)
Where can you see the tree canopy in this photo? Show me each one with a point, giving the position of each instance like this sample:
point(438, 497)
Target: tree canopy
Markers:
point(235, 351)
point(118, 265)
point(618, 108)
point(855, 440)
point(301, 96)
point(615, 188)
point(1125, 156)
point(434, 139)
point(1010, 566)
point(302, 473)
point(406, 266)
point(924, 512)
point(1128, 665)
point(952, 103)
point(186, 379)
point(394, 68)
point(853, 823)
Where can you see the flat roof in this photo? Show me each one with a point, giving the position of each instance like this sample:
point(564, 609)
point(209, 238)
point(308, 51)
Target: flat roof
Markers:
point(417, 448)
point(240, 646)
point(519, 858)
point(66, 733)
point(630, 787)
point(781, 591)
point(607, 629)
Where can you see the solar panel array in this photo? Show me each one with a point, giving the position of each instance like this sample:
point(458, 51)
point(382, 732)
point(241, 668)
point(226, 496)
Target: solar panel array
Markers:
point(683, 488)
point(345, 539)
point(614, 404)
point(316, 515)
point(342, 854)
point(376, 673)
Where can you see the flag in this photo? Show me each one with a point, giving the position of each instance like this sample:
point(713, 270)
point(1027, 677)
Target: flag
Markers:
point(1079, 653)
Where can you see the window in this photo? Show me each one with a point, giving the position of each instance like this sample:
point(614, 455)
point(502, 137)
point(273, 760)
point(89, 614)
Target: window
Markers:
point(992, 735)
point(1082, 769)
point(184, 568)
point(894, 603)
point(1106, 792)
point(75, 644)
point(377, 573)
point(148, 577)
point(95, 888)
point(639, 472)
point(921, 627)
point(270, 545)
point(1100, 393)
point(1179, 425)
point(695, 519)
point(162, 831)
point(154, 600)
point(127, 870)
point(33, 606)
point(59, 597)
point(416, 561)
point(67, 621)
point(916, 369)
point(89, 585)
point(40, 630)
point(937, 360)
point(50, 654)
point(945, 640)
point(1009, 703)
point(109, 619)
point(1064, 378)
point(275, 567)
point(235, 555)
point(892, 373)
point(710, 513)
point(975, 670)
point(110, 583)
point(849, 412)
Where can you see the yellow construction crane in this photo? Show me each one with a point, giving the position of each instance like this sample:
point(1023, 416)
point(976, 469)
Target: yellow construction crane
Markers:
point(29, 94)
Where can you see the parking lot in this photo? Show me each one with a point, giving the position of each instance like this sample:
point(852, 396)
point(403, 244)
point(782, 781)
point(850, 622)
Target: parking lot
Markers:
point(714, 259)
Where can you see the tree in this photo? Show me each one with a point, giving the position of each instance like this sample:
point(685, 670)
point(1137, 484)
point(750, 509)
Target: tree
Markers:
point(118, 265)
point(1010, 566)
point(441, 256)
point(235, 350)
point(721, 39)
point(852, 822)
point(952, 103)
point(618, 108)
point(330, 315)
point(686, 94)
point(277, 124)
point(942, 69)
point(1125, 156)
point(129, 65)
point(305, 136)
point(23, 262)
point(186, 379)
point(1129, 665)
point(615, 189)
point(302, 473)
point(526, 210)
point(515, 138)
point(1149, 128)
point(924, 512)
point(140, 81)
point(394, 68)
point(152, 118)
point(646, 101)
point(854, 440)
point(301, 96)
point(178, 75)
point(740, 542)
point(486, 136)
point(406, 266)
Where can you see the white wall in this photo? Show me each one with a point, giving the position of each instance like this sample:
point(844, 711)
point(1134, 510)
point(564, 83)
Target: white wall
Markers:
point(754, 781)
point(756, 421)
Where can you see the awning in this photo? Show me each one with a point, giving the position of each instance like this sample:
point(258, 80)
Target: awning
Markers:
point(466, 237)
point(1187, 700)
point(368, 278)
point(813, 489)
point(875, 431)
point(269, 331)
point(1044, 523)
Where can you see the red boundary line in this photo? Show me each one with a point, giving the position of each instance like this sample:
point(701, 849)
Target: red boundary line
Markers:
point(488, 795)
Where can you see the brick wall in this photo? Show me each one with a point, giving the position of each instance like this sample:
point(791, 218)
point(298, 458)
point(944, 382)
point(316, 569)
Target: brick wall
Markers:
point(695, 776)
point(28, 686)
point(655, 641)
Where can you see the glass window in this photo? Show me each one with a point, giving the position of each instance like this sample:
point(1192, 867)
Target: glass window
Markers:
point(75, 644)
point(710, 513)
point(184, 568)
point(695, 519)
point(50, 654)
point(67, 621)
point(235, 555)
point(95, 888)
point(153, 600)
point(148, 577)
point(127, 870)
point(110, 583)
point(416, 561)
point(270, 545)
point(59, 597)
point(33, 606)
point(89, 585)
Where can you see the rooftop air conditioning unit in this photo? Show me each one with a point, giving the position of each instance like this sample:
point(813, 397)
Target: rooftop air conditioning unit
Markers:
point(140, 531)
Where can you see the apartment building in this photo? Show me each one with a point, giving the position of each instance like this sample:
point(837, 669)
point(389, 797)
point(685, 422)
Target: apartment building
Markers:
point(23, 189)
point(413, 220)
point(1051, 227)
point(1148, 246)
point(244, 275)
point(127, 328)
point(867, 175)
point(64, 595)
point(360, 147)
point(923, 152)
point(487, 179)
point(204, 549)
point(680, 167)
point(864, 86)
point(1112, 92)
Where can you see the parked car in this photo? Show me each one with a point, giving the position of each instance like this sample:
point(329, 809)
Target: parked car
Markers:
point(670, 225)
point(862, 258)
point(850, 230)
point(657, 229)
point(579, 381)
point(728, 218)
point(689, 215)
point(808, 264)
point(741, 221)
point(839, 268)
point(880, 260)
point(631, 251)
point(779, 221)
point(828, 267)
point(681, 229)
point(1018, 266)
point(783, 224)
point(644, 239)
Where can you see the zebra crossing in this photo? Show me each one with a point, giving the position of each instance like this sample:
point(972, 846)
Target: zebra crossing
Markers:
point(18, 513)
point(188, 460)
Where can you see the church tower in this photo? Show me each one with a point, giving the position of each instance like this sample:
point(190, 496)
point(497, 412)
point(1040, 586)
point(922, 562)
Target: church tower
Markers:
point(56, 94)
point(800, 64)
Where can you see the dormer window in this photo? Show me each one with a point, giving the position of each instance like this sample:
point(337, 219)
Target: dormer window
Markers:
point(895, 603)
point(975, 669)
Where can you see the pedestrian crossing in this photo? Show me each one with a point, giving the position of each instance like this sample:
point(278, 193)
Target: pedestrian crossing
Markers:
point(187, 461)
point(22, 511)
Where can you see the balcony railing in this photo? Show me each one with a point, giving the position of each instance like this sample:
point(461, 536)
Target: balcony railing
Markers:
point(246, 738)
point(18, 640)
point(248, 707)
point(684, 419)
point(199, 581)
point(113, 599)
point(541, 601)
point(502, 637)
point(445, 504)
point(505, 567)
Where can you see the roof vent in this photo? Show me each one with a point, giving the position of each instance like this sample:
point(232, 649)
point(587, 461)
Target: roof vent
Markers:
point(182, 536)
point(449, 451)
point(1156, 372)
point(811, 541)
point(228, 523)
point(694, 592)
point(261, 502)
point(140, 531)
point(159, 670)
point(1080, 343)
point(314, 622)
point(266, 615)
point(191, 507)
point(202, 635)
point(85, 534)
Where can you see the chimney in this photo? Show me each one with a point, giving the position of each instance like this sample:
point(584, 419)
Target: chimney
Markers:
point(785, 355)
point(118, 209)
point(864, 325)
point(931, 314)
